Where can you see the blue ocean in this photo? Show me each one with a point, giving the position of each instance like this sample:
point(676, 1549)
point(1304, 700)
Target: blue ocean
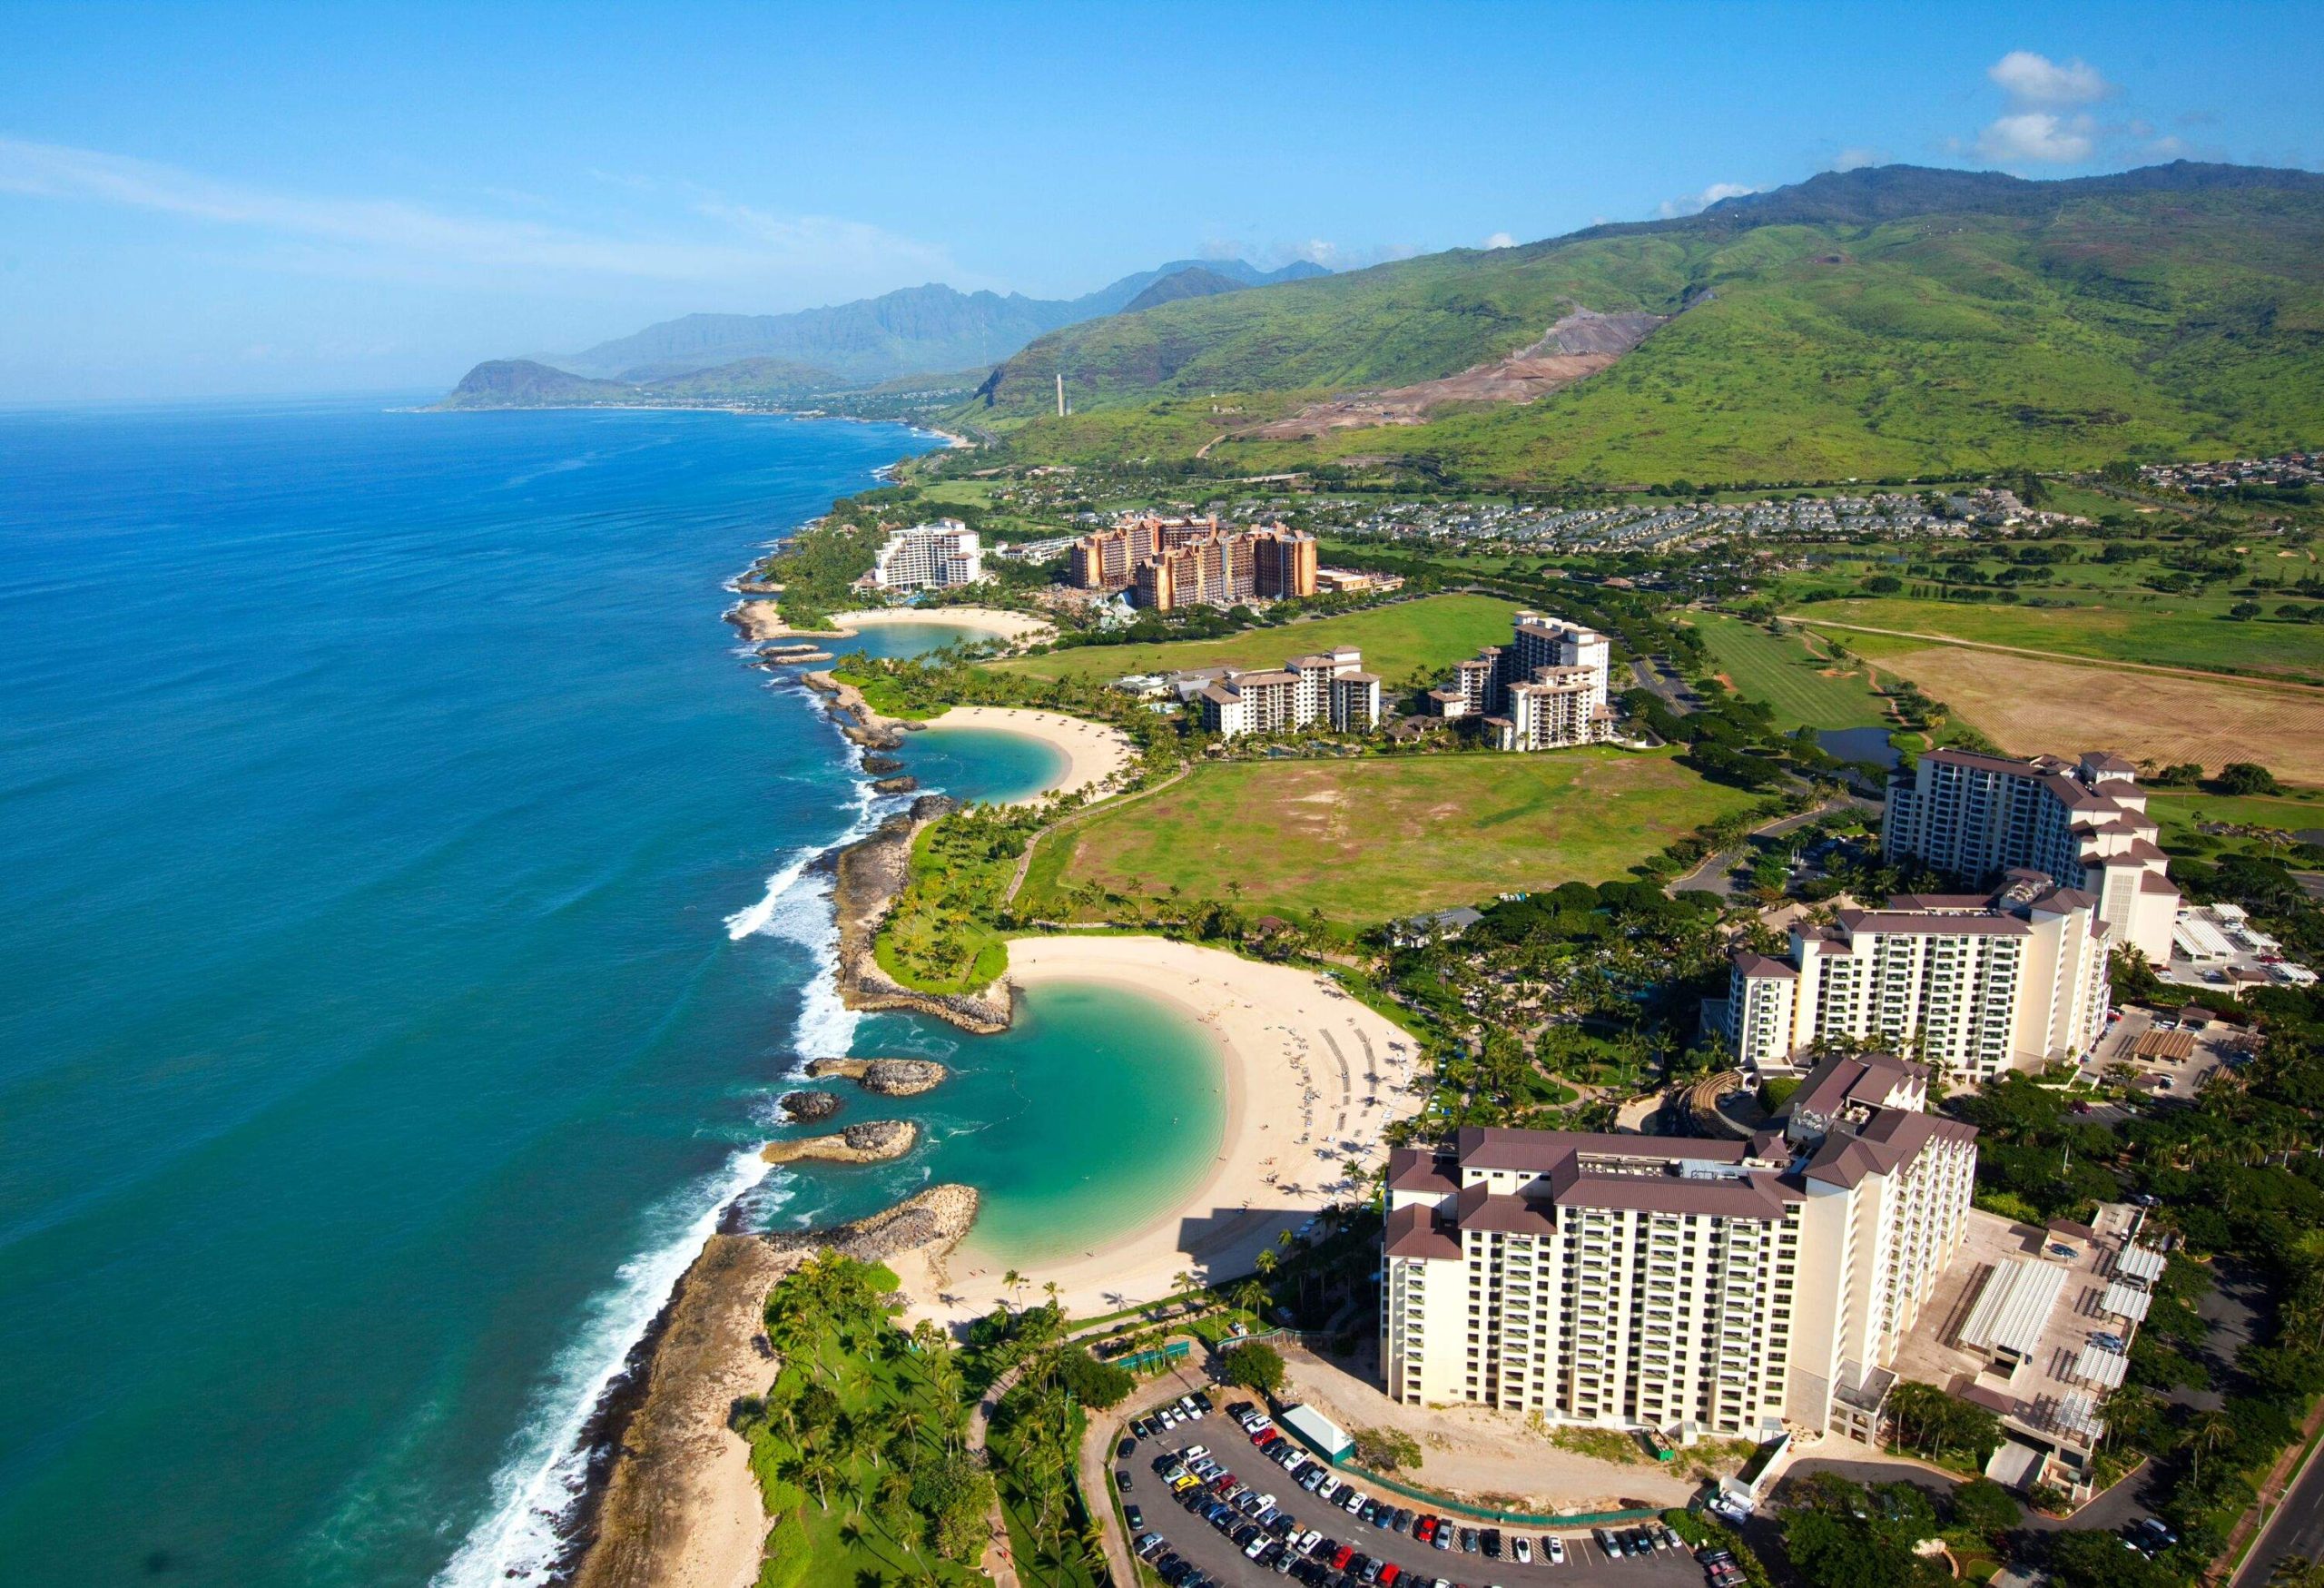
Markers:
point(405, 923)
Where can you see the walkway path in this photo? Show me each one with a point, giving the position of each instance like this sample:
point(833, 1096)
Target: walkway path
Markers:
point(999, 1565)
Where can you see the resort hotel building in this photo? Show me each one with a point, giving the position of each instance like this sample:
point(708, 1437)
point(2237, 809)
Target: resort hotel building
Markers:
point(1688, 1285)
point(2013, 976)
point(1163, 564)
point(1974, 983)
point(1332, 689)
point(1544, 690)
point(928, 556)
point(1977, 817)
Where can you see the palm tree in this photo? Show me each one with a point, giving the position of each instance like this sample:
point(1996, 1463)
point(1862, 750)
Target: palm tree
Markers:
point(1014, 1281)
point(2210, 1431)
point(2296, 1572)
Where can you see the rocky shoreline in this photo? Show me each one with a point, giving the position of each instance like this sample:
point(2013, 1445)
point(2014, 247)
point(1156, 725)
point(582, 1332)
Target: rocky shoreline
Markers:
point(868, 877)
point(872, 1142)
point(671, 1501)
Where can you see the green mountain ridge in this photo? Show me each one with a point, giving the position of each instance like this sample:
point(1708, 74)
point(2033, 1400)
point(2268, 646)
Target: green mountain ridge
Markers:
point(1894, 320)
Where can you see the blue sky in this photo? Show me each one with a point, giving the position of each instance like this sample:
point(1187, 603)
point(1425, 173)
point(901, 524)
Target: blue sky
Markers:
point(213, 198)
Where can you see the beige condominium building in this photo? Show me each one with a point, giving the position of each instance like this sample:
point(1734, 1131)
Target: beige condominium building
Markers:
point(1975, 817)
point(1974, 983)
point(1544, 690)
point(1685, 1285)
point(1331, 688)
point(1164, 564)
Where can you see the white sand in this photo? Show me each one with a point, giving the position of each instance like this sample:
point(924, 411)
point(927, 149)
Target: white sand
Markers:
point(1015, 626)
point(1312, 1078)
point(1094, 753)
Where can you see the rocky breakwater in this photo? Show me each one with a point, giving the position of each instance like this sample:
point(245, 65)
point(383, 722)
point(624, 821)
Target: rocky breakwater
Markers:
point(887, 1078)
point(872, 1142)
point(805, 1107)
point(856, 719)
point(868, 878)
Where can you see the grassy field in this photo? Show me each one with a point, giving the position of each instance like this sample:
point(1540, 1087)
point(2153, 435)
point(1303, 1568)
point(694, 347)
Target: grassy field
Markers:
point(2180, 813)
point(1365, 840)
point(1397, 640)
point(2027, 705)
point(1781, 670)
point(2165, 633)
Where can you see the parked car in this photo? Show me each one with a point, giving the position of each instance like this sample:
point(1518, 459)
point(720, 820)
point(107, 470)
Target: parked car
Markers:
point(1522, 1550)
point(1135, 1518)
point(1554, 1548)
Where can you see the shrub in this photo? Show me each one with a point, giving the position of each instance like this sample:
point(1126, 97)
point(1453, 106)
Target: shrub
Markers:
point(2248, 777)
point(1257, 1366)
point(1389, 1449)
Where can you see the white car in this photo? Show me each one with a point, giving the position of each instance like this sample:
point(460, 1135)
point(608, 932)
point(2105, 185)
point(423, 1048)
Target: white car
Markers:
point(1523, 1550)
point(1556, 1548)
point(1193, 1452)
point(1353, 1503)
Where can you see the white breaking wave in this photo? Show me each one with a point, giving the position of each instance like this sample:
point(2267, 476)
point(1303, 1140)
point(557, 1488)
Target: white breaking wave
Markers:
point(754, 918)
point(520, 1540)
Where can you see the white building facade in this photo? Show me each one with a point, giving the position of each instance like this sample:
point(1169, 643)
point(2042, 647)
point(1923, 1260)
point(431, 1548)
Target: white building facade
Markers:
point(1974, 984)
point(1686, 1286)
point(1331, 688)
point(929, 557)
point(2084, 823)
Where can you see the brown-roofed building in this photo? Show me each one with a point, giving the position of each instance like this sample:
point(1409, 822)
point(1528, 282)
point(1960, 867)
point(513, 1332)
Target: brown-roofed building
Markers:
point(1676, 1282)
point(1975, 816)
point(2011, 983)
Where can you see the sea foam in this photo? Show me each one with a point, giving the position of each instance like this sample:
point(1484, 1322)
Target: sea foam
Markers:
point(522, 1538)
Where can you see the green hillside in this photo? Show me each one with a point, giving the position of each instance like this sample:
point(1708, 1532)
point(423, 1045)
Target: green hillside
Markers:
point(2175, 311)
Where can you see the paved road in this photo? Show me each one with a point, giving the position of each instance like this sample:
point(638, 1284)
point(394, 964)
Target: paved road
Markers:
point(2296, 1528)
point(1218, 1558)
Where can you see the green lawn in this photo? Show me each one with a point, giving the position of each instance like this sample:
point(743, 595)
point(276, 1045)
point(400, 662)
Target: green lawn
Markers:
point(2180, 813)
point(1426, 635)
point(1363, 841)
point(2173, 631)
point(1780, 670)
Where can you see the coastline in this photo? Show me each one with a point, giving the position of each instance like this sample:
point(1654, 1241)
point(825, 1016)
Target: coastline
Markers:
point(672, 1501)
point(1305, 1067)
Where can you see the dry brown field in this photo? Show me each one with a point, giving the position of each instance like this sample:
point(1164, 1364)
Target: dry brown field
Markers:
point(2027, 705)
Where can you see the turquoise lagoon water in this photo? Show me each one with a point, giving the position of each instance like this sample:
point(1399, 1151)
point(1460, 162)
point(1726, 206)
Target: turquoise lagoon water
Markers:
point(981, 763)
point(407, 918)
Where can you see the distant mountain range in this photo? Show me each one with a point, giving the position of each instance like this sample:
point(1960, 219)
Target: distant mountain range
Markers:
point(904, 332)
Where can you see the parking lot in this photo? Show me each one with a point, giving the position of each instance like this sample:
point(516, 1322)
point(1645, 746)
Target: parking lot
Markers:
point(1202, 1545)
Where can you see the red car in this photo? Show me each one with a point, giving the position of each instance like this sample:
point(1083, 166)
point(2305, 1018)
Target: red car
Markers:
point(1341, 1556)
point(1424, 1530)
point(1389, 1573)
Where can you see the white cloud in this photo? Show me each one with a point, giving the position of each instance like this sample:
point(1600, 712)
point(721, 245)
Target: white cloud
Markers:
point(1694, 204)
point(378, 229)
point(2036, 81)
point(1500, 240)
point(1856, 157)
point(2037, 137)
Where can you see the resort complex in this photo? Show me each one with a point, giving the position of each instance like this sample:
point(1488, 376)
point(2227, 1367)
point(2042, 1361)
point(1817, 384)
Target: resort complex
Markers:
point(928, 556)
point(1330, 689)
point(1681, 1285)
point(1976, 818)
point(1544, 690)
point(1165, 564)
point(1976, 984)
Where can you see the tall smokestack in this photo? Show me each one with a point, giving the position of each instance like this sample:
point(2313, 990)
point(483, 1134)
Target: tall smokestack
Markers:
point(1061, 394)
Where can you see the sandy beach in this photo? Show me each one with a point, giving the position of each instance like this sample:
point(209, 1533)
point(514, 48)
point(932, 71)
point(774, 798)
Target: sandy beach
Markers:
point(1094, 753)
point(1014, 626)
point(1312, 1078)
point(760, 618)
